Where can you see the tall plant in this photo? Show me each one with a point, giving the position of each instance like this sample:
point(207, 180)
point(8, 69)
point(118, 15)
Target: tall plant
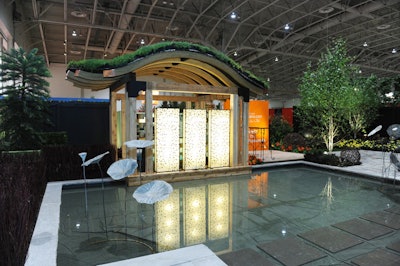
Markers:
point(364, 104)
point(326, 93)
point(24, 107)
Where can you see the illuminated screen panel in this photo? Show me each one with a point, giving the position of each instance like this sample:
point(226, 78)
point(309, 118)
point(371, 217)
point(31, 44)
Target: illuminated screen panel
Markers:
point(218, 211)
point(166, 142)
point(218, 138)
point(167, 213)
point(194, 139)
point(195, 215)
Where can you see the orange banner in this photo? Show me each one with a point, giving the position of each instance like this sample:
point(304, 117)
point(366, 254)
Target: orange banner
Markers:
point(258, 125)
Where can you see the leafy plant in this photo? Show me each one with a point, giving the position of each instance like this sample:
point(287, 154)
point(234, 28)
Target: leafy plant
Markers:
point(24, 109)
point(328, 95)
point(98, 65)
point(278, 129)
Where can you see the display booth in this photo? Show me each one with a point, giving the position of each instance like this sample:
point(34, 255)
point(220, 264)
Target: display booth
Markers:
point(197, 141)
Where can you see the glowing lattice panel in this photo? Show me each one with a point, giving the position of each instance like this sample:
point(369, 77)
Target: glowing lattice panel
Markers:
point(218, 211)
point(194, 139)
point(168, 222)
point(166, 139)
point(218, 138)
point(195, 215)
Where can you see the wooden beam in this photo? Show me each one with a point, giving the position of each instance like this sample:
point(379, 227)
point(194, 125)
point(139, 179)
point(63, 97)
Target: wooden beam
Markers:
point(170, 98)
point(191, 88)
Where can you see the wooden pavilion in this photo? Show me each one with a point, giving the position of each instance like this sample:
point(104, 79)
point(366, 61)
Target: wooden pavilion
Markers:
point(196, 75)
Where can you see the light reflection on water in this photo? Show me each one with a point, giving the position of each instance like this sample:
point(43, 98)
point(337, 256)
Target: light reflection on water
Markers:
point(225, 214)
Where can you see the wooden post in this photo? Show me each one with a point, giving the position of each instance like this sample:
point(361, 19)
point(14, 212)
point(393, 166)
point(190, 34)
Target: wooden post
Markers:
point(124, 121)
point(113, 118)
point(245, 129)
point(234, 147)
point(131, 124)
point(149, 126)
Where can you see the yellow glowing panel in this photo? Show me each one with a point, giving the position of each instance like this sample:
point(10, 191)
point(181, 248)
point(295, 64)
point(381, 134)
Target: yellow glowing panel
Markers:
point(166, 139)
point(218, 211)
point(218, 138)
point(194, 139)
point(168, 223)
point(195, 215)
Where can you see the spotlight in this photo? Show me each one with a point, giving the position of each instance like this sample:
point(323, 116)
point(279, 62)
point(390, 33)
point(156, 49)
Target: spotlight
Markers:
point(287, 27)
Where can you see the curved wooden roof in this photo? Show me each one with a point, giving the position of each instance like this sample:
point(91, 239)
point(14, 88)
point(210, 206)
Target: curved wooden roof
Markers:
point(187, 67)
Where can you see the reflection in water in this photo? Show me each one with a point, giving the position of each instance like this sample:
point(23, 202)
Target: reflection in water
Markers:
point(327, 194)
point(224, 213)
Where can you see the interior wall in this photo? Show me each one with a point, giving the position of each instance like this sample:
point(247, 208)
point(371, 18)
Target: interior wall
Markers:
point(61, 88)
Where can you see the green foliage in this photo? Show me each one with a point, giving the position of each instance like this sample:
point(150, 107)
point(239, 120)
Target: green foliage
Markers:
point(368, 144)
point(388, 89)
point(364, 104)
point(98, 65)
point(333, 94)
point(24, 108)
point(278, 129)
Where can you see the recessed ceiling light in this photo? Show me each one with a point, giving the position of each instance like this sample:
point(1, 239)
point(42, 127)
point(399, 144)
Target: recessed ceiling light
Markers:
point(326, 10)
point(383, 27)
point(233, 15)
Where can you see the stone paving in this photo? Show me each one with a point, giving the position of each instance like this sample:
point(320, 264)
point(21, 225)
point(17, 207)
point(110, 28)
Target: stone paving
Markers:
point(369, 240)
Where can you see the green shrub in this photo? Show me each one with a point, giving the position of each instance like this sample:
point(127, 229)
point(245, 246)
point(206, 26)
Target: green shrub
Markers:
point(278, 129)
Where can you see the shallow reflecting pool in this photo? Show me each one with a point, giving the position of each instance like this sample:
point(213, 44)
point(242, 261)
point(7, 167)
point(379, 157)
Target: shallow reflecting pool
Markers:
point(226, 214)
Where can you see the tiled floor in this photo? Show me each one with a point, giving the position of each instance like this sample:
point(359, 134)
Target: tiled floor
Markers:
point(371, 239)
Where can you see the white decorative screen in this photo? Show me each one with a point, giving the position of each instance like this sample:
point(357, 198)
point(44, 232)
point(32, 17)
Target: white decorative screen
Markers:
point(218, 138)
point(166, 144)
point(194, 139)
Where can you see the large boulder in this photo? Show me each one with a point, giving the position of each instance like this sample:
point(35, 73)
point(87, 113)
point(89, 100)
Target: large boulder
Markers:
point(350, 156)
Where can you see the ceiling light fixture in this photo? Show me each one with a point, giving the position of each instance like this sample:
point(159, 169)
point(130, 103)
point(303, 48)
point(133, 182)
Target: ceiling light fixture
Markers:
point(394, 51)
point(326, 10)
point(365, 44)
point(233, 15)
point(383, 26)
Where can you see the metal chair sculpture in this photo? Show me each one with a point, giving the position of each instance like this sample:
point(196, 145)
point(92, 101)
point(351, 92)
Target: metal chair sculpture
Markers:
point(94, 160)
point(139, 144)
